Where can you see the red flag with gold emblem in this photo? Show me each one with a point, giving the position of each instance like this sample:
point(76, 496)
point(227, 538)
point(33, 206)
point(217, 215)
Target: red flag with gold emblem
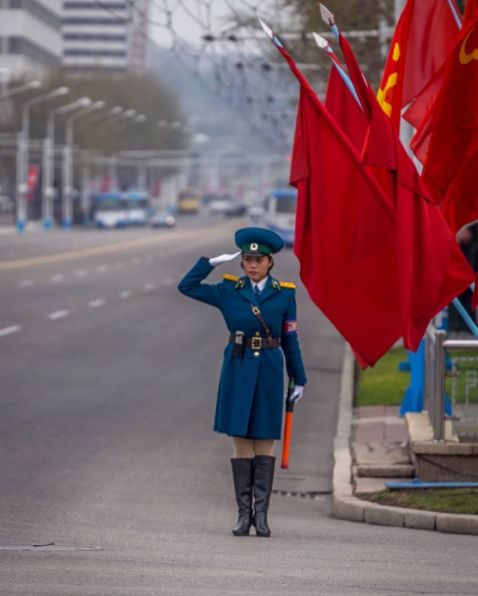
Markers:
point(446, 140)
point(432, 270)
point(424, 37)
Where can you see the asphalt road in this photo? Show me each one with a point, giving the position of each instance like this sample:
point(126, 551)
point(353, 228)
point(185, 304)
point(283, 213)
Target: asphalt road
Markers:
point(107, 457)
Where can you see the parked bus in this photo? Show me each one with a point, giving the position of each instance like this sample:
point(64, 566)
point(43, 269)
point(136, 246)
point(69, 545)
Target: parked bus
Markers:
point(137, 207)
point(109, 210)
point(279, 213)
point(117, 209)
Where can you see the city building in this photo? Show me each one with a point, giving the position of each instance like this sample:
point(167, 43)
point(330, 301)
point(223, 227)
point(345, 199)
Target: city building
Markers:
point(110, 34)
point(30, 37)
point(95, 34)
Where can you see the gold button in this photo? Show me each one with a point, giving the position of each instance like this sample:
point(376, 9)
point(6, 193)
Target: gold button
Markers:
point(256, 353)
point(257, 333)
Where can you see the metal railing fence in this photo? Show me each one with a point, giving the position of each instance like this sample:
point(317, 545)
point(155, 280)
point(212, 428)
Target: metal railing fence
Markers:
point(435, 372)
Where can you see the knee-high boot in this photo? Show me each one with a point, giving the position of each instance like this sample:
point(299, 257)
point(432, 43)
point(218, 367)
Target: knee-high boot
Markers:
point(242, 471)
point(263, 478)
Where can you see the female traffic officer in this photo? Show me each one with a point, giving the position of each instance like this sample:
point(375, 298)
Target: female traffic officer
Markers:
point(260, 313)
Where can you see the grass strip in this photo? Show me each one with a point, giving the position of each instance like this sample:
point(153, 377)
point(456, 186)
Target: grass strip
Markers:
point(384, 384)
point(447, 500)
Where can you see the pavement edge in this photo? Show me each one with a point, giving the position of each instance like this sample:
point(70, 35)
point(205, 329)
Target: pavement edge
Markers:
point(348, 507)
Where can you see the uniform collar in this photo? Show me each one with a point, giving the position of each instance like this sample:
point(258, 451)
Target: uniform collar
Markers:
point(244, 285)
point(261, 284)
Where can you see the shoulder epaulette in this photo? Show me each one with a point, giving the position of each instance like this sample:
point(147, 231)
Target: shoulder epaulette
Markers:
point(287, 284)
point(230, 277)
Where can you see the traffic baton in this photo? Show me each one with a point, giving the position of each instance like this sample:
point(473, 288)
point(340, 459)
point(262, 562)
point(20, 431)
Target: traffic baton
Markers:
point(289, 418)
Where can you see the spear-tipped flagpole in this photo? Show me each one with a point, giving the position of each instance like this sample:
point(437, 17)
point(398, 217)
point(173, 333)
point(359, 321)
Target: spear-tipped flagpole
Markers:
point(323, 44)
point(329, 19)
point(268, 31)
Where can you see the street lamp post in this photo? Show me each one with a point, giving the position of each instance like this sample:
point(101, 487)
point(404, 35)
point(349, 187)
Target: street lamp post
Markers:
point(114, 113)
point(67, 178)
point(48, 155)
point(126, 116)
point(142, 174)
point(23, 154)
point(20, 89)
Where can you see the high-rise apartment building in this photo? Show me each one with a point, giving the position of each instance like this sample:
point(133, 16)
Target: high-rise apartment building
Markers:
point(30, 36)
point(107, 34)
point(36, 35)
point(96, 34)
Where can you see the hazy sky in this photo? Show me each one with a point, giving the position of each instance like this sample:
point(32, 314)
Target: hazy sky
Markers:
point(190, 19)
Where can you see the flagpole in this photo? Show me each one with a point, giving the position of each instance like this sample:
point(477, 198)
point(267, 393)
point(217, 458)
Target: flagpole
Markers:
point(323, 44)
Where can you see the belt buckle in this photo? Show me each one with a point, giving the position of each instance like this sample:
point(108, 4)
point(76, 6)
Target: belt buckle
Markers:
point(256, 343)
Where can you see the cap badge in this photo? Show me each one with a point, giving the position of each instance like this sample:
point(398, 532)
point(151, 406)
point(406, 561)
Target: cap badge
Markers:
point(254, 246)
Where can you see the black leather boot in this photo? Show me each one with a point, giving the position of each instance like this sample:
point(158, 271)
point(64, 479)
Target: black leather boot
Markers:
point(263, 478)
point(242, 471)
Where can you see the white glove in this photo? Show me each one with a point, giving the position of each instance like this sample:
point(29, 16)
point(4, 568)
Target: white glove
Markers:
point(223, 258)
point(297, 394)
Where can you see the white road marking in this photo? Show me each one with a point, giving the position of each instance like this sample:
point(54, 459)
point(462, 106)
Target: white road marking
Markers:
point(102, 268)
point(25, 283)
point(80, 272)
point(126, 293)
point(168, 281)
point(149, 287)
point(9, 330)
point(56, 278)
point(96, 303)
point(59, 314)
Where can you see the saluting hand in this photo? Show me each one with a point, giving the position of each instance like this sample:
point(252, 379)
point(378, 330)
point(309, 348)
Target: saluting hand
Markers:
point(297, 394)
point(223, 258)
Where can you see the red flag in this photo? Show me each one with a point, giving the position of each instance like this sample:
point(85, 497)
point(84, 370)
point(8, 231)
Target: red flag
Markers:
point(471, 7)
point(446, 138)
point(432, 269)
point(423, 38)
point(345, 236)
point(352, 118)
point(342, 106)
point(32, 180)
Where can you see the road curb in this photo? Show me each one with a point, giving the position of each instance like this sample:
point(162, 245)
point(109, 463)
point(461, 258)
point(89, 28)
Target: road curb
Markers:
point(348, 507)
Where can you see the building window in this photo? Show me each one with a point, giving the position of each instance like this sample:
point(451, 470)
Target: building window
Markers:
point(94, 37)
point(95, 5)
point(95, 21)
point(96, 53)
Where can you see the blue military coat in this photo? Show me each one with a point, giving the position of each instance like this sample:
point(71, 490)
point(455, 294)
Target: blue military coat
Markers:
point(250, 397)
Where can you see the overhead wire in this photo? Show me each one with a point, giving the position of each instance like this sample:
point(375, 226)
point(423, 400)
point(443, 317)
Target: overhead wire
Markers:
point(234, 74)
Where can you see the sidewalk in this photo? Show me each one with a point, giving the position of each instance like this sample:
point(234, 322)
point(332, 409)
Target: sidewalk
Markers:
point(371, 448)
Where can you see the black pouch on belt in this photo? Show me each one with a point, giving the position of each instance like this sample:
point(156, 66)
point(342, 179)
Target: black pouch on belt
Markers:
point(239, 344)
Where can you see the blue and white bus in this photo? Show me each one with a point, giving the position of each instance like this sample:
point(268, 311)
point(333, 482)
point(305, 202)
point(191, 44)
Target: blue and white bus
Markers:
point(137, 207)
point(117, 209)
point(109, 210)
point(279, 213)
